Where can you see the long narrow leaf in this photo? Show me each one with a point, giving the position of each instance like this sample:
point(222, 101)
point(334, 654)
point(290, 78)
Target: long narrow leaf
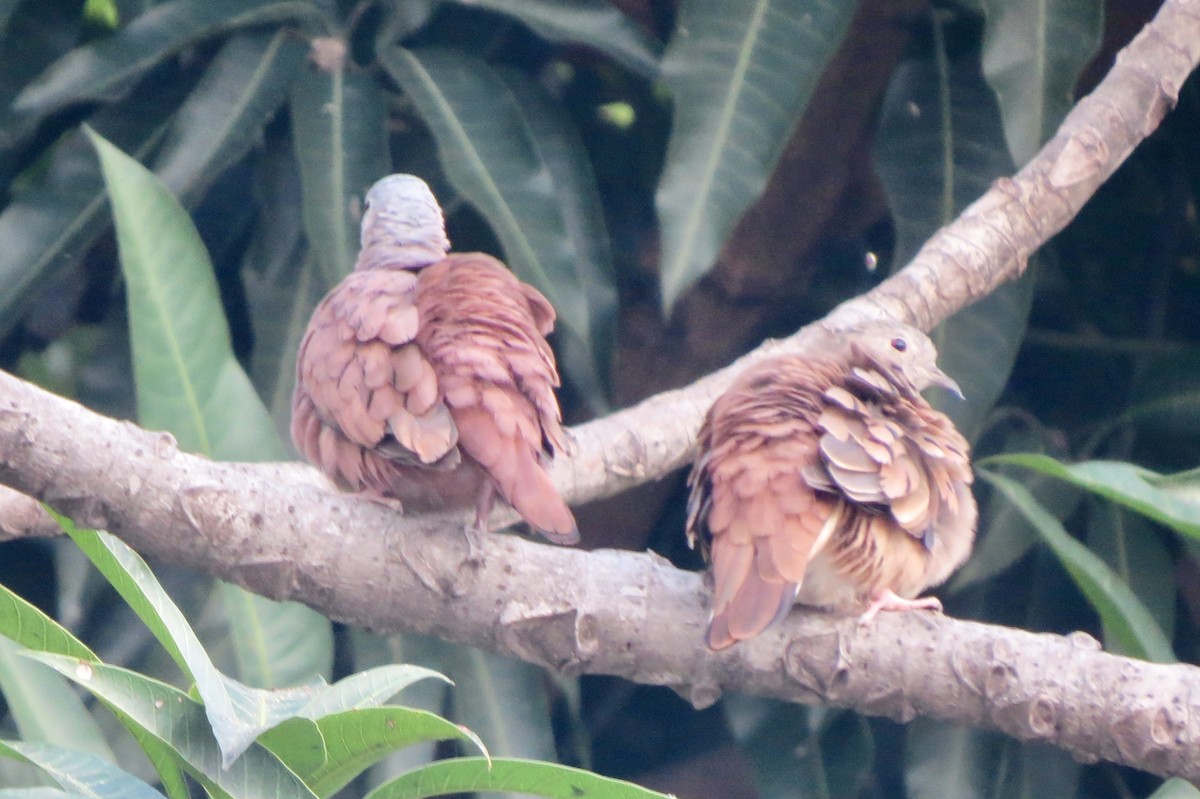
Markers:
point(1172, 500)
point(1129, 627)
point(596, 23)
point(85, 774)
point(340, 139)
point(189, 382)
point(1033, 51)
point(508, 774)
point(172, 717)
point(741, 74)
point(94, 71)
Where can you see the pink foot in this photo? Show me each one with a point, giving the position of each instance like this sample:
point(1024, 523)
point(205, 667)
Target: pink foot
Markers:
point(888, 600)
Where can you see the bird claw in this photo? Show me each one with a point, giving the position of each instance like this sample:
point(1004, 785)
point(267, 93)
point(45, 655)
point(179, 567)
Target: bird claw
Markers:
point(379, 498)
point(889, 600)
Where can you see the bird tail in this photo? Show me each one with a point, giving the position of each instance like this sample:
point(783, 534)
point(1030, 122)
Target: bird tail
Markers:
point(515, 469)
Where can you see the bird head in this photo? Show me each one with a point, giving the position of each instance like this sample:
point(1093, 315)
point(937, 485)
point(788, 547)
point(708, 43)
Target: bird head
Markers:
point(901, 351)
point(402, 225)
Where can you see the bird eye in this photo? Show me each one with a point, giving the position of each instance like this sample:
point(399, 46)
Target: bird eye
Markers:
point(899, 344)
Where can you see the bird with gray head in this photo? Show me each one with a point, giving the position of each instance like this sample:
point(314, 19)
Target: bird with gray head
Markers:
point(425, 377)
point(827, 479)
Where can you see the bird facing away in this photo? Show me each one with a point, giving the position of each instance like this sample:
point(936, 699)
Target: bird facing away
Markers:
point(425, 377)
point(830, 481)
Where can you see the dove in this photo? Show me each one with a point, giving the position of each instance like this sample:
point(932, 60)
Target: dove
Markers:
point(828, 480)
point(425, 378)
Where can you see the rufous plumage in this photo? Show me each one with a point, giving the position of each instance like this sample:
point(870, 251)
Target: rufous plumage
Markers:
point(425, 377)
point(827, 479)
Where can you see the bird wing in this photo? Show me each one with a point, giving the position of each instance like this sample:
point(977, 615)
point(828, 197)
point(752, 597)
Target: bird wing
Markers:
point(884, 448)
point(363, 383)
point(484, 333)
point(751, 508)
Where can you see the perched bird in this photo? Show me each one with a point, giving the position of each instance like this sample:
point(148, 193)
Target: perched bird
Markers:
point(830, 481)
point(426, 378)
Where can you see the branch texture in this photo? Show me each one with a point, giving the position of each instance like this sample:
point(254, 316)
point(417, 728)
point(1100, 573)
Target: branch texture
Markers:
point(632, 615)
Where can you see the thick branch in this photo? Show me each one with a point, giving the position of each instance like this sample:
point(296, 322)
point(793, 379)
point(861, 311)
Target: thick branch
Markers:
point(633, 615)
point(605, 612)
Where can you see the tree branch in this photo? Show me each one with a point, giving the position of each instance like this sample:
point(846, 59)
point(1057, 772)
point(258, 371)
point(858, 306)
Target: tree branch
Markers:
point(633, 615)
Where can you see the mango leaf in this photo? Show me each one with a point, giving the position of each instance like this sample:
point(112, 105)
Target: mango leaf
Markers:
point(516, 173)
point(1171, 500)
point(85, 774)
point(33, 629)
point(189, 382)
point(329, 751)
point(596, 23)
point(99, 69)
point(237, 713)
point(173, 718)
point(60, 210)
point(43, 706)
point(938, 148)
point(1033, 51)
point(225, 113)
point(740, 74)
point(465, 774)
point(340, 140)
point(1129, 628)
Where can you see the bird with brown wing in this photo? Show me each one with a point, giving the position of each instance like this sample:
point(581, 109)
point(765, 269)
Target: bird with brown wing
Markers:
point(425, 377)
point(828, 480)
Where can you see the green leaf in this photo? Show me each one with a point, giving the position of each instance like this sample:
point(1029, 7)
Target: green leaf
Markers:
point(1171, 500)
point(189, 382)
point(506, 774)
point(1129, 627)
point(98, 69)
point(61, 210)
point(31, 628)
point(740, 74)
point(238, 713)
point(595, 23)
point(488, 150)
point(339, 125)
point(224, 115)
point(1033, 52)
point(938, 148)
point(187, 378)
point(44, 707)
point(173, 718)
point(329, 751)
point(1139, 554)
point(85, 774)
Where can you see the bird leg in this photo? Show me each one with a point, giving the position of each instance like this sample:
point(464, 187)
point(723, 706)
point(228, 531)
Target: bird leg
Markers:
point(887, 599)
point(484, 500)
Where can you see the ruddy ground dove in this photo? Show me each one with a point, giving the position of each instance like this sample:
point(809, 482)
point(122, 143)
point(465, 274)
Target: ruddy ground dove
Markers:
point(426, 377)
point(829, 480)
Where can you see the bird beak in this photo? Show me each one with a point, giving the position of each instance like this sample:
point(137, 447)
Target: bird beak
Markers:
point(939, 378)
